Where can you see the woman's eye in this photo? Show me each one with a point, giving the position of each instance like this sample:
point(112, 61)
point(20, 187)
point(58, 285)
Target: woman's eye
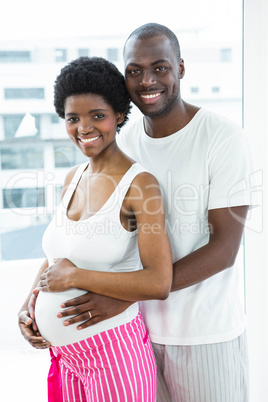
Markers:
point(99, 116)
point(72, 119)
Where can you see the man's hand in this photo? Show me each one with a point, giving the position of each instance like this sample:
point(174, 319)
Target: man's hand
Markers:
point(100, 308)
point(32, 336)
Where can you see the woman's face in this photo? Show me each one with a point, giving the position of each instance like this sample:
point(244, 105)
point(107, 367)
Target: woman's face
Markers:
point(91, 123)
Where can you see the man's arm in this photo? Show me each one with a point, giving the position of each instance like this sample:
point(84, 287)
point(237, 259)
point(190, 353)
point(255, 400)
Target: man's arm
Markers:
point(100, 307)
point(226, 229)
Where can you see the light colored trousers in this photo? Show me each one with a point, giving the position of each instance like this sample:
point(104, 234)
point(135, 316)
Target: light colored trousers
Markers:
point(203, 373)
point(117, 365)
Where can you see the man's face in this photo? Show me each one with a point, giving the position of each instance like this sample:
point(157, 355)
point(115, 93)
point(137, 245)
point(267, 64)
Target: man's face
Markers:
point(152, 75)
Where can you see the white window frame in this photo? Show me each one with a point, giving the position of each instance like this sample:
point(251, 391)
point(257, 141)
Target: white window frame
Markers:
point(256, 241)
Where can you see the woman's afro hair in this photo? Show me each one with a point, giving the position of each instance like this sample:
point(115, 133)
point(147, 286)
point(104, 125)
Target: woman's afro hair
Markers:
point(93, 75)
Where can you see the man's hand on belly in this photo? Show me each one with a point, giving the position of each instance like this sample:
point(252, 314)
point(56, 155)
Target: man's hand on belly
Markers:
point(91, 308)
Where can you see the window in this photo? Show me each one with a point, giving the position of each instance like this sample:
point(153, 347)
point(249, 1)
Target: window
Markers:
point(54, 118)
point(12, 122)
point(24, 250)
point(57, 194)
point(112, 54)
point(22, 156)
point(67, 156)
point(24, 93)
point(15, 56)
point(227, 26)
point(24, 197)
point(83, 52)
point(60, 55)
point(225, 55)
point(194, 90)
point(215, 89)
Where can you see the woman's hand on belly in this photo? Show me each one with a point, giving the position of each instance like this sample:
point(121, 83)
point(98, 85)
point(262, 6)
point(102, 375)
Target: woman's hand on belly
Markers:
point(32, 336)
point(57, 277)
point(100, 308)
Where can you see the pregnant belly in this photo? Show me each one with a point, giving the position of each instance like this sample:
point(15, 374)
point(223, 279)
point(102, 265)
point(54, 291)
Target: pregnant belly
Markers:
point(48, 305)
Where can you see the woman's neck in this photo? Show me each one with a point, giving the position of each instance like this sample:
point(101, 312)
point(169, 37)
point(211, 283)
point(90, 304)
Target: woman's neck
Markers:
point(110, 161)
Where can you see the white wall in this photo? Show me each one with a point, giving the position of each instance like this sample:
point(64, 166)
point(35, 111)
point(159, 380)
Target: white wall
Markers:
point(30, 385)
point(256, 125)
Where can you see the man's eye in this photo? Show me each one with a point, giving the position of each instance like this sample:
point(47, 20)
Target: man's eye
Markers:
point(134, 71)
point(161, 68)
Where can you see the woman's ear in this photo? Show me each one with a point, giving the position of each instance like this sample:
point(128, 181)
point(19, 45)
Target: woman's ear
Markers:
point(120, 117)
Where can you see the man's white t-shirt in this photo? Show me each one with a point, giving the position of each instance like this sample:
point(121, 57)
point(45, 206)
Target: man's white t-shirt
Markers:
point(205, 165)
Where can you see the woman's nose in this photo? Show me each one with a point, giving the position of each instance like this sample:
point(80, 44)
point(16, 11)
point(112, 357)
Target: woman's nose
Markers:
point(85, 129)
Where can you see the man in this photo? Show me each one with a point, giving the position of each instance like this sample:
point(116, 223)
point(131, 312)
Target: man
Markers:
point(202, 163)
point(200, 160)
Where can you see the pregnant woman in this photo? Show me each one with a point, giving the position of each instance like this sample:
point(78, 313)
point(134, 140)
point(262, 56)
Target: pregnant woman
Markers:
point(108, 236)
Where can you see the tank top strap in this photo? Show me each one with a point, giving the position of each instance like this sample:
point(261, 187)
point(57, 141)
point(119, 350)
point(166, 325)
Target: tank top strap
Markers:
point(72, 186)
point(125, 183)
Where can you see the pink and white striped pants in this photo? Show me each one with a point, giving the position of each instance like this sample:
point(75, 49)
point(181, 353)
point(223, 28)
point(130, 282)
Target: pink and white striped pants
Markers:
point(113, 366)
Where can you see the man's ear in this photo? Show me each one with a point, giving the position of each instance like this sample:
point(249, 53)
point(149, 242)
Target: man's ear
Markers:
point(182, 68)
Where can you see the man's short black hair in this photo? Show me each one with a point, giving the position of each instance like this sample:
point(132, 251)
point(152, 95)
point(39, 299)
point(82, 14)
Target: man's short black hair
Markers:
point(151, 30)
point(92, 75)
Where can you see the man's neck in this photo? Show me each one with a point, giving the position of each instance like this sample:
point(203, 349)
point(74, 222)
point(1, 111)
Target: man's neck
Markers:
point(175, 120)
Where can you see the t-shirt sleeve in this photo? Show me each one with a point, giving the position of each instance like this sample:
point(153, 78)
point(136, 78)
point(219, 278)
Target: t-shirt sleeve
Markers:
point(120, 140)
point(232, 176)
point(123, 139)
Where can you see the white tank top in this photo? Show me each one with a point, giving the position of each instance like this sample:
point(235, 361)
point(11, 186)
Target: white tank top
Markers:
point(98, 243)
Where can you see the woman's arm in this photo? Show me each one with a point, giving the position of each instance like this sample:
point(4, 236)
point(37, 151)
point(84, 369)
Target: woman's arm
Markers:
point(26, 320)
point(154, 280)
point(26, 317)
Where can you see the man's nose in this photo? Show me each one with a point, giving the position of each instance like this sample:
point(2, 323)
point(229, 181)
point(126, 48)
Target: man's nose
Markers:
point(147, 79)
